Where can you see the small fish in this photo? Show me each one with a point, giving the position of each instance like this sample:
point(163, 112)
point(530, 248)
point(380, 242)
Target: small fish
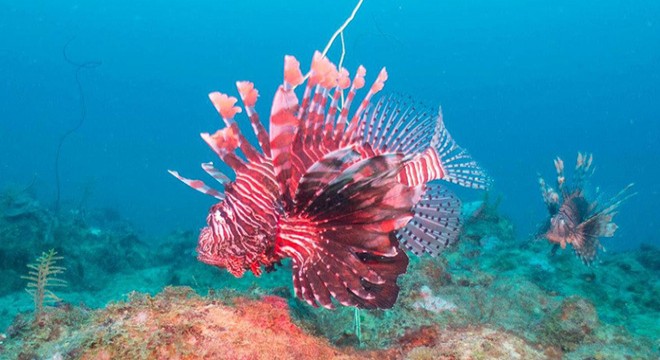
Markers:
point(573, 218)
point(339, 193)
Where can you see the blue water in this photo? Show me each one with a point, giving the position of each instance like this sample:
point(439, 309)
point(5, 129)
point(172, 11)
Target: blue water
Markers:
point(519, 81)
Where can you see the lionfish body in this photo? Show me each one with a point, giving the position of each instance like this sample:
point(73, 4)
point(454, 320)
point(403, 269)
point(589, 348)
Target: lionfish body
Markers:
point(573, 218)
point(337, 194)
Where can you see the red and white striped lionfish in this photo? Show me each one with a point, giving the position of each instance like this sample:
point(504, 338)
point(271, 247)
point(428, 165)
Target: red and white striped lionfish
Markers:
point(573, 218)
point(337, 194)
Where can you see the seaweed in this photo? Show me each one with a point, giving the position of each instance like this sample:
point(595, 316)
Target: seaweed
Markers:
point(41, 277)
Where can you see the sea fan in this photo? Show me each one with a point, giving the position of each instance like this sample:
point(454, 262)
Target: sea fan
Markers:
point(41, 277)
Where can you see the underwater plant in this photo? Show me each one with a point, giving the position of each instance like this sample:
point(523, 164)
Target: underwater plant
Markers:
point(574, 219)
point(41, 277)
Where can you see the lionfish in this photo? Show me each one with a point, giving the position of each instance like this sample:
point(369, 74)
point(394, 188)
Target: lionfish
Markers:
point(573, 218)
point(338, 193)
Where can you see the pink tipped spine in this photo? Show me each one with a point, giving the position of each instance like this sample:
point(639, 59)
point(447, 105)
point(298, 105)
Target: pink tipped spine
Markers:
point(249, 97)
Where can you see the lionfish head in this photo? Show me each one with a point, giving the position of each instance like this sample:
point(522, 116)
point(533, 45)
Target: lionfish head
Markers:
point(560, 227)
point(221, 245)
point(563, 227)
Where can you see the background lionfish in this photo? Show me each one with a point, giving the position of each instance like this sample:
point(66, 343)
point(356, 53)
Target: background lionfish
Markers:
point(574, 219)
point(337, 195)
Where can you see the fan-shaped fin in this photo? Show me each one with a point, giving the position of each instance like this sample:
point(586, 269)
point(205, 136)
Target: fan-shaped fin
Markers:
point(435, 223)
point(342, 237)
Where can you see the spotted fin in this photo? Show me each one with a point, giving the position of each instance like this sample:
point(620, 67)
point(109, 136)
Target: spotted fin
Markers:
point(435, 223)
point(457, 164)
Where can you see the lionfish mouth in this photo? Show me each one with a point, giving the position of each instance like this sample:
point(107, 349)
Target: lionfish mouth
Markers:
point(554, 237)
point(211, 260)
point(236, 265)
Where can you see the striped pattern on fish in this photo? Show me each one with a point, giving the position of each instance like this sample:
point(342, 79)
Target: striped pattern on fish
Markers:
point(338, 192)
point(574, 218)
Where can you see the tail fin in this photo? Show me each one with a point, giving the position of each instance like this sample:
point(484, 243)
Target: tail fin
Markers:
point(457, 164)
point(446, 160)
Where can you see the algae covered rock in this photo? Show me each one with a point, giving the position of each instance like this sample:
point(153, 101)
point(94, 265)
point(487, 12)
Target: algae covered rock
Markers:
point(571, 324)
point(175, 324)
point(478, 343)
point(180, 324)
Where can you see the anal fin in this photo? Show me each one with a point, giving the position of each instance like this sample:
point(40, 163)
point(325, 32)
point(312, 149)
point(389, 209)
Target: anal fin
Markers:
point(435, 223)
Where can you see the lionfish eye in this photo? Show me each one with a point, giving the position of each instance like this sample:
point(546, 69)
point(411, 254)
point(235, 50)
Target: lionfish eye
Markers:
point(219, 217)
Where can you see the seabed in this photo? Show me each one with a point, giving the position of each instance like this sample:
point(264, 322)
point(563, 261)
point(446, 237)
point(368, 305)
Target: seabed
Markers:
point(492, 296)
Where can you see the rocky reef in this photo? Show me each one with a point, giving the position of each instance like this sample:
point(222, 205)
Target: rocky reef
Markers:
point(490, 297)
point(179, 324)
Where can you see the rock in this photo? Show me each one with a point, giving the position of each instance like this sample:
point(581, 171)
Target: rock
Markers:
point(477, 343)
point(179, 324)
point(571, 324)
point(432, 303)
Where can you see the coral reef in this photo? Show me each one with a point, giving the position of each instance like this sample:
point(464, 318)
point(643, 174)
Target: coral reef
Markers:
point(478, 343)
point(488, 297)
point(179, 324)
point(97, 244)
point(571, 324)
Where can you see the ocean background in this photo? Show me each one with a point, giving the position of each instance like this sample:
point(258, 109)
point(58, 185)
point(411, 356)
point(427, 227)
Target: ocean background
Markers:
point(520, 82)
